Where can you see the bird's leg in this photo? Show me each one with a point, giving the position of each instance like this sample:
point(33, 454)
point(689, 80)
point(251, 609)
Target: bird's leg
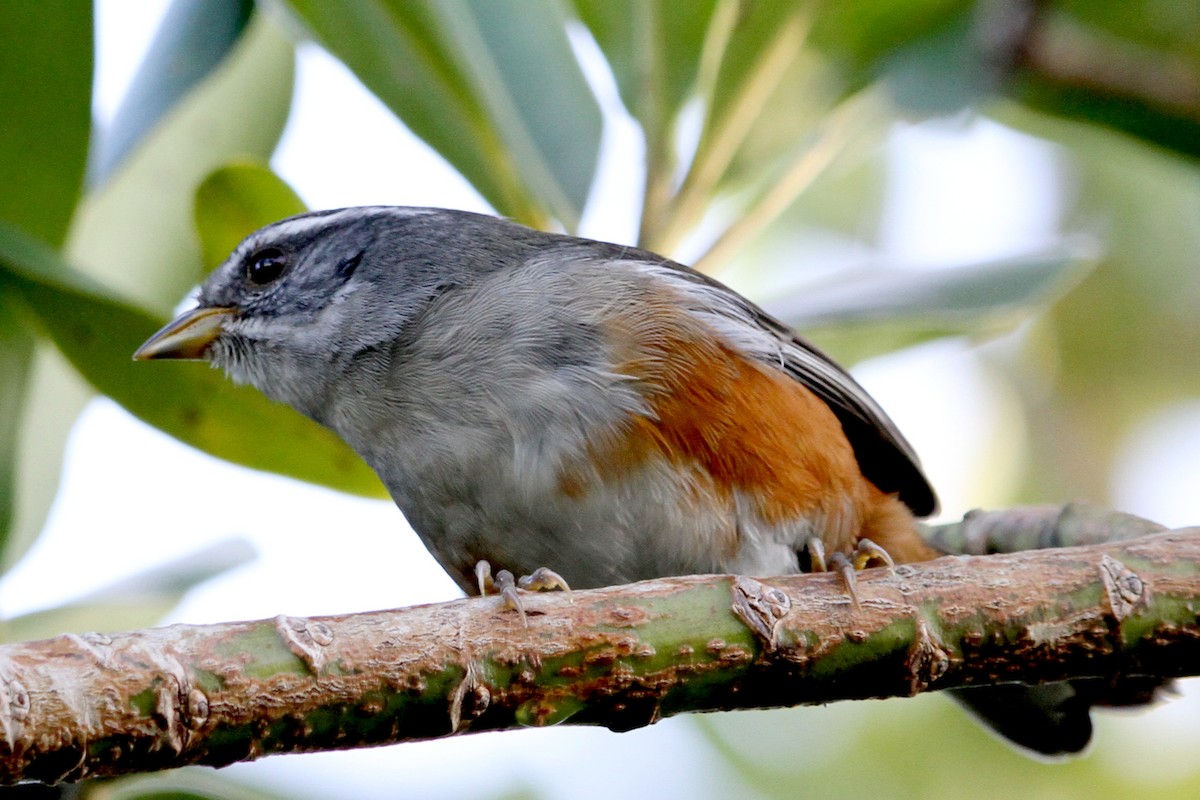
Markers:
point(540, 580)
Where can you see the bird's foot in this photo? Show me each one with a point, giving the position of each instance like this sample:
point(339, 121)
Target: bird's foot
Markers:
point(542, 579)
point(866, 553)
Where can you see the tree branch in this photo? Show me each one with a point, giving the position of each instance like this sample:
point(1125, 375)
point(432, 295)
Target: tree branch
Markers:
point(80, 706)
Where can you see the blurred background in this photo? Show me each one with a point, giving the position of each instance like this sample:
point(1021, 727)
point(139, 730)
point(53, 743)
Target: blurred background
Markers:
point(990, 209)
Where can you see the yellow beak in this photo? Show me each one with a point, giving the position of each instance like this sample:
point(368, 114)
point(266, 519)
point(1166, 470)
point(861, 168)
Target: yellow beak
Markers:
point(187, 336)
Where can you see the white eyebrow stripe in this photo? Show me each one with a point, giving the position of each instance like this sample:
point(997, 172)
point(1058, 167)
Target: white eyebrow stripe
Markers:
point(306, 223)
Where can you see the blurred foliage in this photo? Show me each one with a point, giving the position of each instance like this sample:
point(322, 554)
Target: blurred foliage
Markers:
point(235, 200)
point(1126, 341)
point(759, 119)
point(1130, 66)
point(47, 76)
point(931, 751)
point(195, 37)
point(492, 85)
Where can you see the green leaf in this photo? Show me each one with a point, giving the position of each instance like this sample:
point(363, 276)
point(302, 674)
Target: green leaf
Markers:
point(861, 34)
point(1167, 27)
point(46, 94)
point(763, 41)
point(136, 232)
point(653, 48)
point(138, 601)
point(492, 85)
point(237, 200)
point(98, 333)
point(16, 362)
point(139, 223)
point(193, 38)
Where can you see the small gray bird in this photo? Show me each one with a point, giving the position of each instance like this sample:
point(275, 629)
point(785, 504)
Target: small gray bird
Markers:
point(534, 400)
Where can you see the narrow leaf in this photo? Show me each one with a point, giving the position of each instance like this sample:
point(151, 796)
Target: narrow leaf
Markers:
point(522, 67)
point(961, 292)
point(862, 316)
point(45, 94)
point(192, 40)
point(16, 362)
point(653, 49)
point(761, 43)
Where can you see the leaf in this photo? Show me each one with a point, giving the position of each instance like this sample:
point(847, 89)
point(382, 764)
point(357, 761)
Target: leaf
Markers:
point(192, 40)
point(1122, 347)
point(125, 232)
point(942, 71)
point(98, 332)
point(16, 362)
point(46, 94)
point(1167, 27)
point(763, 41)
point(523, 67)
point(236, 200)
point(653, 48)
point(966, 291)
point(492, 85)
point(860, 34)
point(135, 233)
point(138, 601)
point(858, 316)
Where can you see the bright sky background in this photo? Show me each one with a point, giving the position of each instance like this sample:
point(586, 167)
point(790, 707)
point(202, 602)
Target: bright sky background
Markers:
point(960, 193)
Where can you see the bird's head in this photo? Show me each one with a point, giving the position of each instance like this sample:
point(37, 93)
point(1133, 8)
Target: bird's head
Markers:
point(300, 298)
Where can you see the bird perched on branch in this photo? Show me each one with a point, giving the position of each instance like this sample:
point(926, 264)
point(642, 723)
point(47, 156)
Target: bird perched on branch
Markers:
point(588, 413)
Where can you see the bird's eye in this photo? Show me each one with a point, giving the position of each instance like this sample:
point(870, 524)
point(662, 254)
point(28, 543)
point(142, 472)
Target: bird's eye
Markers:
point(265, 266)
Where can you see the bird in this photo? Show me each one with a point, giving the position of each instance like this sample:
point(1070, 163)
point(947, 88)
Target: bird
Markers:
point(577, 412)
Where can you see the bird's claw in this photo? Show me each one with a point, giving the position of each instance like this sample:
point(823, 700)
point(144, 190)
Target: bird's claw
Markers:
point(865, 554)
point(504, 584)
point(543, 579)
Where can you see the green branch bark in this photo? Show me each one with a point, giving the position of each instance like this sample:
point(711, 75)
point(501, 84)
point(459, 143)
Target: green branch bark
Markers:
point(623, 657)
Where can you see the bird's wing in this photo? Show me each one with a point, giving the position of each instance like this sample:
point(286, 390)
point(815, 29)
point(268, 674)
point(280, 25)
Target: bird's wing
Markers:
point(884, 455)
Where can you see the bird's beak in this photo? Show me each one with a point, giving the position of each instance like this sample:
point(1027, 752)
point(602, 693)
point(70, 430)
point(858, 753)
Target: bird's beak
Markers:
point(187, 336)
